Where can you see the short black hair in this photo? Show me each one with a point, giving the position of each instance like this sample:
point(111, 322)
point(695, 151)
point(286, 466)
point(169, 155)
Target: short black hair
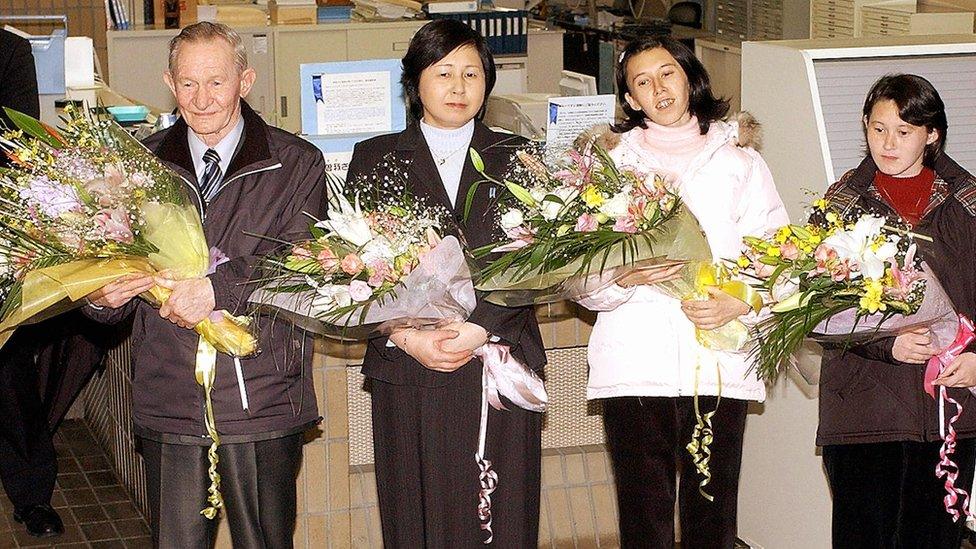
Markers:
point(701, 100)
point(433, 42)
point(918, 103)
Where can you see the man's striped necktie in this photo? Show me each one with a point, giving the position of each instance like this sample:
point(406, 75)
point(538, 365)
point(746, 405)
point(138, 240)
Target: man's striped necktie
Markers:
point(211, 175)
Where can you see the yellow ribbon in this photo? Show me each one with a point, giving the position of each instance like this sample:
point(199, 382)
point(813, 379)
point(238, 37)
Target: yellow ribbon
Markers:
point(731, 337)
point(702, 436)
point(206, 372)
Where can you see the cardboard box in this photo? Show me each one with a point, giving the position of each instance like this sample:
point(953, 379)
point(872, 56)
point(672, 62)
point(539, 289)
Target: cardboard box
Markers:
point(292, 15)
point(186, 10)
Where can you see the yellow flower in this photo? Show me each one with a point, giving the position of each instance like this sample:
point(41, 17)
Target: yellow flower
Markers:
point(592, 197)
point(820, 204)
point(743, 261)
point(782, 234)
point(871, 299)
point(831, 217)
point(773, 251)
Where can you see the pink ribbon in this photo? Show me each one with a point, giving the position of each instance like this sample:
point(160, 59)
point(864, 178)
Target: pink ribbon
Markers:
point(502, 375)
point(947, 467)
point(489, 481)
point(508, 377)
point(964, 336)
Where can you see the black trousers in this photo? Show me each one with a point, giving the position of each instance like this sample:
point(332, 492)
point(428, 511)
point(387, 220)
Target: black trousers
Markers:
point(424, 442)
point(43, 367)
point(646, 437)
point(886, 495)
point(257, 482)
point(28, 463)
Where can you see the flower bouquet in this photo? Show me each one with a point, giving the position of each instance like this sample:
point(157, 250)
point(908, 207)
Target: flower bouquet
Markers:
point(579, 216)
point(841, 282)
point(370, 267)
point(87, 204)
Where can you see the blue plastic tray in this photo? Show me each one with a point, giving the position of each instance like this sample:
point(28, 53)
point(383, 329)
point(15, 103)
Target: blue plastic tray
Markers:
point(129, 113)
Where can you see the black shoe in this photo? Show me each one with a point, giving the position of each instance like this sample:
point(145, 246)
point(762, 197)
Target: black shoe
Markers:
point(41, 521)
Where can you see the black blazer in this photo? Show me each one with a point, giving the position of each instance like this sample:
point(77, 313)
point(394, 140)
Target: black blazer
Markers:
point(18, 81)
point(516, 327)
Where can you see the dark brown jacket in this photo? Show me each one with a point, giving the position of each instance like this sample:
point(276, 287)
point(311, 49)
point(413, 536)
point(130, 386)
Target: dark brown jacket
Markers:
point(865, 394)
point(272, 180)
point(516, 327)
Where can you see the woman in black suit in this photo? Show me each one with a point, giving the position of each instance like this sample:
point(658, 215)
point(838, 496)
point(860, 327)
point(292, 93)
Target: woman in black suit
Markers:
point(426, 399)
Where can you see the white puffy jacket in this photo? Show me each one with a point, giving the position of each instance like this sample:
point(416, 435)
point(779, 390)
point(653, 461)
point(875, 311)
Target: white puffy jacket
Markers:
point(642, 344)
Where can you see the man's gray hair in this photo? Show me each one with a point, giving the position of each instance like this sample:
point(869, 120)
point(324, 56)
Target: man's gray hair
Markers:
point(205, 31)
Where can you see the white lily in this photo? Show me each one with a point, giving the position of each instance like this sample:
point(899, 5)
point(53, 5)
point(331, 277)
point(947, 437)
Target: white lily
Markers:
point(616, 206)
point(857, 245)
point(378, 248)
point(347, 221)
point(550, 208)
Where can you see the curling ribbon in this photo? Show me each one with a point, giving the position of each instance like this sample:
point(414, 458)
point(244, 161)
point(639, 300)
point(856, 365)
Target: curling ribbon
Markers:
point(502, 375)
point(947, 467)
point(206, 372)
point(702, 436)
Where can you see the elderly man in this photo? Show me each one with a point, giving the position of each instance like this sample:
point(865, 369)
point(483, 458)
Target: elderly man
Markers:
point(253, 184)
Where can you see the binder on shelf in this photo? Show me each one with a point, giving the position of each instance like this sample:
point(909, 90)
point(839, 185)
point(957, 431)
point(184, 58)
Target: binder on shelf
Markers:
point(505, 30)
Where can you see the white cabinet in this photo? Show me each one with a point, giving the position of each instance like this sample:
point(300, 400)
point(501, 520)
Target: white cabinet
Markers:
point(907, 18)
point(835, 18)
point(853, 18)
point(138, 59)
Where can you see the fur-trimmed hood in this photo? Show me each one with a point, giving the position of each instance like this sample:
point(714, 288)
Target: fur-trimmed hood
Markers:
point(747, 131)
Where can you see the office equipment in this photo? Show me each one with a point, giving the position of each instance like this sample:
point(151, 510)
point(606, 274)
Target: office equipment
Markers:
point(525, 114)
point(574, 83)
point(451, 6)
point(48, 51)
point(79, 62)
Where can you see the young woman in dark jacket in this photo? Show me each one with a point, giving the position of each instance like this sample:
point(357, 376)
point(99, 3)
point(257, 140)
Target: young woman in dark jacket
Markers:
point(426, 400)
point(879, 429)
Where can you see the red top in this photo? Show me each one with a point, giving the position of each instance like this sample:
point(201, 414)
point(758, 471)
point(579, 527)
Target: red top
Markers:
point(909, 196)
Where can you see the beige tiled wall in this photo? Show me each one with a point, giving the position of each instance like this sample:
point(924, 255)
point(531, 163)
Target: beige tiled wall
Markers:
point(578, 509)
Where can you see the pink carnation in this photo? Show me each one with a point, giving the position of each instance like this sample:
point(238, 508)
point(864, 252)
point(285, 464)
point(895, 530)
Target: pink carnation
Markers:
point(379, 271)
point(359, 290)
point(789, 251)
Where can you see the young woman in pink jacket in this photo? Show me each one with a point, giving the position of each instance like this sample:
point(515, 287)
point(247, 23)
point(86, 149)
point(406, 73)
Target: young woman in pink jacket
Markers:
point(643, 355)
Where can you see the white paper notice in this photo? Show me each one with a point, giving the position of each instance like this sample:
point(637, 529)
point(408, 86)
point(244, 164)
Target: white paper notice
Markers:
point(570, 116)
point(337, 163)
point(355, 102)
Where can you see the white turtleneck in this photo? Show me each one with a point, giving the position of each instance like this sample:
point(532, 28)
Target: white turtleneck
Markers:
point(449, 149)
